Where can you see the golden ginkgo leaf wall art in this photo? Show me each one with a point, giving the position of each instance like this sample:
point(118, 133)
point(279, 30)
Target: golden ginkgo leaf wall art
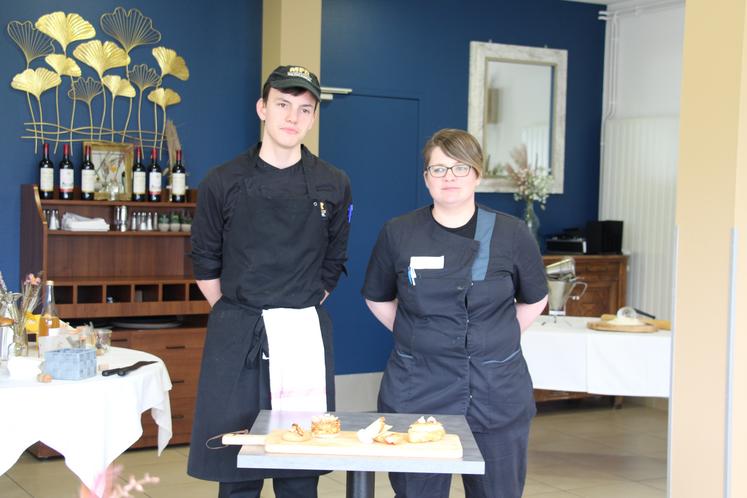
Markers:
point(112, 71)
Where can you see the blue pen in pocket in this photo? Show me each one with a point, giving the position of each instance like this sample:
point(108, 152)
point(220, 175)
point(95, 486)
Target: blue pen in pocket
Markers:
point(411, 275)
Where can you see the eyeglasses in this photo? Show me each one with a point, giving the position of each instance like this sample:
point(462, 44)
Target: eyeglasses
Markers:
point(458, 170)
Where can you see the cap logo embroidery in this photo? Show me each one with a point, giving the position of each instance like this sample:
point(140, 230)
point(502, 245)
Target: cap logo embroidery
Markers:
point(299, 72)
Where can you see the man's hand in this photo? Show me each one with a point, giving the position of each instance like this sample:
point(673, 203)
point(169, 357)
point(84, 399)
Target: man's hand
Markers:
point(326, 295)
point(210, 289)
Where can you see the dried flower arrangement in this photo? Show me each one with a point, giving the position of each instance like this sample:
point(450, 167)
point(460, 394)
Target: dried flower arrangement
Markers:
point(532, 183)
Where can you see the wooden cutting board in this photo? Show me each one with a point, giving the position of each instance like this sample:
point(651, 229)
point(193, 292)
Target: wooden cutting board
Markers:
point(347, 443)
point(611, 327)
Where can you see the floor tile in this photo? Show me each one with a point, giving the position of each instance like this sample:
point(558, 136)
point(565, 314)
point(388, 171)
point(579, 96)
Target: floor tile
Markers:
point(554, 494)
point(9, 489)
point(633, 443)
point(660, 484)
point(198, 489)
point(634, 468)
point(147, 456)
point(571, 476)
point(54, 485)
point(620, 490)
point(170, 473)
point(533, 487)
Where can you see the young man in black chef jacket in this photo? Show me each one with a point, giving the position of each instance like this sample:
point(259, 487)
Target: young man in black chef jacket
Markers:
point(269, 242)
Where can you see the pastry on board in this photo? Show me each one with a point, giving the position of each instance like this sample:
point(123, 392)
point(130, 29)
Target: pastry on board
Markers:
point(296, 434)
point(425, 431)
point(325, 425)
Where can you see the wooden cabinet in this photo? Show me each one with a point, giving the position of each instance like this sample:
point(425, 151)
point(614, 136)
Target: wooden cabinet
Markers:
point(109, 275)
point(606, 277)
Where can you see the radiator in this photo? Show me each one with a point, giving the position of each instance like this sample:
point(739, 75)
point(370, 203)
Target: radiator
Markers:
point(637, 185)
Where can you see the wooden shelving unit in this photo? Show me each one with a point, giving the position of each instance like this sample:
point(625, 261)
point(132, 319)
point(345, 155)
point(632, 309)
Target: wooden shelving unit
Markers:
point(120, 275)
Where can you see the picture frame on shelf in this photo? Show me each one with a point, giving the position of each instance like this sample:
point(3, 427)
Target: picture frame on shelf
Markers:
point(113, 165)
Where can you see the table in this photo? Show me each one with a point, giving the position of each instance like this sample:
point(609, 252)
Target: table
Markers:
point(565, 355)
point(90, 422)
point(360, 469)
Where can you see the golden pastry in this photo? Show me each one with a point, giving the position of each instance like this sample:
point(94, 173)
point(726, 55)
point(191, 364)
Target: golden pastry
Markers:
point(387, 437)
point(296, 434)
point(376, 427)
point(425, 431)
point(325, 425)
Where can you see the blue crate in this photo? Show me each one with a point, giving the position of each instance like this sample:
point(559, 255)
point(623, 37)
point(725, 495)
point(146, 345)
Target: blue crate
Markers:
point(70, 364)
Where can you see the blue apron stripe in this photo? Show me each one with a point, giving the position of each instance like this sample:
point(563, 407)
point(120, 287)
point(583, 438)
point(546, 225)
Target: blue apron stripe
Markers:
point(483, 234)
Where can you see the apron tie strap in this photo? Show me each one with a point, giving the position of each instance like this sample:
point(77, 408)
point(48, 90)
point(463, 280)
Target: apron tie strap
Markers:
point(219, 437)
point(259, 339)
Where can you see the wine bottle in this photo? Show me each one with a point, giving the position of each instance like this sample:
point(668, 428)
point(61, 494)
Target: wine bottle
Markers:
point(46, 175)
point(87, 176)
point(178, 180)
point(138, 177)
point(67, 174)
point(154, 178)
point(49, 318)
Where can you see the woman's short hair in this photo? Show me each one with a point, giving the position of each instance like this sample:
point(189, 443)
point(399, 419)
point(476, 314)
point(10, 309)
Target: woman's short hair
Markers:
point(458, 145)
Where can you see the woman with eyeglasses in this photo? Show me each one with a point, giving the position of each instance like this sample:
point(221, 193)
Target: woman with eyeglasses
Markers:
point(457, 283)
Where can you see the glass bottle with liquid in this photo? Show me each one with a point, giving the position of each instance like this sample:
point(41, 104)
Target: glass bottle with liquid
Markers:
point(87, 176)
point(50, 318)
point(154, 178)
point(138, 177)
point(46, 175)
point(178, 180)
point(67, 174)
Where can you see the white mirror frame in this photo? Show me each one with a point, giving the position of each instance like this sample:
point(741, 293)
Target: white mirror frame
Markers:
point(480, 54)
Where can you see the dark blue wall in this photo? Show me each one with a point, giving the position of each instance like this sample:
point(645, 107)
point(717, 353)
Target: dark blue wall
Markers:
point(420, 49)
point(221, 43)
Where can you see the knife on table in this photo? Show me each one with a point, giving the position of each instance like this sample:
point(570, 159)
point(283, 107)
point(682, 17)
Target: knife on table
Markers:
point(125, 370)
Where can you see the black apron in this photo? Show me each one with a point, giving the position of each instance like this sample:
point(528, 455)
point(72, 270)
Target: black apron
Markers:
point(273, 249)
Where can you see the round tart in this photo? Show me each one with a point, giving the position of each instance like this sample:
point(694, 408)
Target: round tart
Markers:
point(425, 431)
point(326, 425)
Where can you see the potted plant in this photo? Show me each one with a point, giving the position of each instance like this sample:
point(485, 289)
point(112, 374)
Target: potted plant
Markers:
point(175, 223)
point(163, 222)
point(186, 222)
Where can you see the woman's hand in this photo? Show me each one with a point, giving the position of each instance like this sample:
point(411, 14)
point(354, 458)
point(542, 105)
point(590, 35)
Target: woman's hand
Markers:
point(527, 313)
point(384, 312)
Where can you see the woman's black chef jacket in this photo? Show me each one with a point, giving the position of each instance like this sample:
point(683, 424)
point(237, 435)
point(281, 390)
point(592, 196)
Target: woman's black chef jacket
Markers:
point(457, 340)
point(242, 206)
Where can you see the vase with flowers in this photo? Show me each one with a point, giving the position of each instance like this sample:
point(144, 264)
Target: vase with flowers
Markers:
point(532, 185)
point(19, 312)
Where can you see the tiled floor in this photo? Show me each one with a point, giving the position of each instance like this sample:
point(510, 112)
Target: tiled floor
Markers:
point(588, 452)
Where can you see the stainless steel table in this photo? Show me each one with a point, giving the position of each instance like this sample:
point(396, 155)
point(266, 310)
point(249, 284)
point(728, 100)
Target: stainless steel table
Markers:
point(361, 469)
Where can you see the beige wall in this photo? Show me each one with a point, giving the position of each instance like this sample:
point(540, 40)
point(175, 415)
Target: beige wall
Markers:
point(292, 34)
point(710, 183)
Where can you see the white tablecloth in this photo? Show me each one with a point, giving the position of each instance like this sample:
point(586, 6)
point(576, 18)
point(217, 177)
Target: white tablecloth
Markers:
point(90, 422)
point(567, 356)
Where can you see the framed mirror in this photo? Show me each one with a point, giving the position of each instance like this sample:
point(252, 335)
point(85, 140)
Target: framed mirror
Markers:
point(517, 96)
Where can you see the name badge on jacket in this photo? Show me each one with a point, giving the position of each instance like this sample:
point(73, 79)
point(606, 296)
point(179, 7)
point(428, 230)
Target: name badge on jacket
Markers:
point(427, 262)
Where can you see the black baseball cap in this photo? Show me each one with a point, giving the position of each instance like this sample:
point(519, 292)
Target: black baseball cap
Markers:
point(295, 77)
